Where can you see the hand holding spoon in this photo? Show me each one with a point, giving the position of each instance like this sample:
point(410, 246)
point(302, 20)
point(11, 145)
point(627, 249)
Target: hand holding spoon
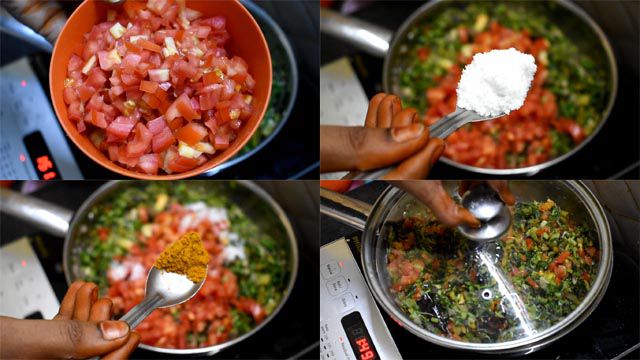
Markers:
point(441, 129)
point(163, 289)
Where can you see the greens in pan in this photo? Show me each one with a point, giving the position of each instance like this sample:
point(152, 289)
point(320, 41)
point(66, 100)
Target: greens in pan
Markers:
point(527, 281)
point(565, 103)
point(122, 238)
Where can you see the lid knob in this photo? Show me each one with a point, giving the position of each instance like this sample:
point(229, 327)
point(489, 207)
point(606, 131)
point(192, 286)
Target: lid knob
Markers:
point(485, 204)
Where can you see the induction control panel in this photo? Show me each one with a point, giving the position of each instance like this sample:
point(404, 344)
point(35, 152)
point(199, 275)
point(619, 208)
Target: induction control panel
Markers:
point(32, 144)
point(351, 326)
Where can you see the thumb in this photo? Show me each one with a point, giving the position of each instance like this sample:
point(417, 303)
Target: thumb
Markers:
point(78, 340)
point(383, 147)
point(419, 165)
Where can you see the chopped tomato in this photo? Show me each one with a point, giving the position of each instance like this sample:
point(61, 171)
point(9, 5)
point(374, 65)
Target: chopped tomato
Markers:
point(162, 140)
point(159, 67)
point(192, 133)
point(121, 127)
point(221, 141)
point(182, 164)
point(141, 141)
point(98, 119)
point(149, 163)
point(148, 86)
point(185, 107)
point(562, 257)
point(145, 44)
point(529, 243)
point(532, 283)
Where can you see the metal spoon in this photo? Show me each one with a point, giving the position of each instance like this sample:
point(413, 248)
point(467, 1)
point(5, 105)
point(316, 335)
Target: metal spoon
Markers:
point(485, 204)
point(441, 129)
point(163, 289)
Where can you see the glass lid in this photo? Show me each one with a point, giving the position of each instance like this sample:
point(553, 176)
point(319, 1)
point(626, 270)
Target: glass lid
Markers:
point(504, 290)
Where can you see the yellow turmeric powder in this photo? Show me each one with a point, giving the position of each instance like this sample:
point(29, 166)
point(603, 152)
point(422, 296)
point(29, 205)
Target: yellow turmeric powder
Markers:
point(186, 256)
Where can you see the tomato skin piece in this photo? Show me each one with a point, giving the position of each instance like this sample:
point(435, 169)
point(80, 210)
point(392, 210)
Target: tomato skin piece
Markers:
point(209, 100)
point(141, 141)
point(156, 125)
point(161, 94)
point(75, 111)
point(162, 140)
point(184, 70)
point(148, 86)
point(149, 163)
point(211, 78)
point(85, 92)
point(158, 6)
point(132, 47)
point(75, 63)
point(130, 62)
point(182, 105)
point(96, 78)
point(151, 100)
point(131, 7)
point(130, 80)
point(98, 119)
point(121, 127)
point(106, 63)
point(221, 141)
point(191, 134)
point(148, 45)
point(182, 164)
point(225, 110)
point(70, 95)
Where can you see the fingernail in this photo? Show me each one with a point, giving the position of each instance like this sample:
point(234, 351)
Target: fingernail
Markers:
point(112, 330)
point(437, 154)
point(406, 133)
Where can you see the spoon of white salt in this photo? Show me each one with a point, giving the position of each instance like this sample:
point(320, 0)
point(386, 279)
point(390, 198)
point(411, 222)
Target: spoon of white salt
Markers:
point(493, 85)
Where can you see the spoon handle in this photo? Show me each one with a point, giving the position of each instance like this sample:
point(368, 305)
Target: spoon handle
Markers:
point(140, 312)
point(441, 130)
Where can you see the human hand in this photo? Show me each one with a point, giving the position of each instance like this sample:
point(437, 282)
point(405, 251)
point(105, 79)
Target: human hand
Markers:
point(81, 329)
point(391, 135)
point(434, 196)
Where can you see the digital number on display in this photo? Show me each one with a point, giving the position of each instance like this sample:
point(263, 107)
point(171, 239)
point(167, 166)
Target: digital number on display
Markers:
point(359, 337)
point(40, 156)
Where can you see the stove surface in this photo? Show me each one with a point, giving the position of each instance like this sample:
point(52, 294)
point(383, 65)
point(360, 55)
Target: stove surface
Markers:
point(609, 332)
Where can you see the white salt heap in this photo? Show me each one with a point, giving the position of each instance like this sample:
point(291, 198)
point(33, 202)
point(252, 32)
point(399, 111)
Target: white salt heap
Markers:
point(496, 82)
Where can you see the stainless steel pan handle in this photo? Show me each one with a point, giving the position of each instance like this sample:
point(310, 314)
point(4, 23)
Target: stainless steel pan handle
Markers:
point(49, 217)
point(369, 37)
point(331, 208)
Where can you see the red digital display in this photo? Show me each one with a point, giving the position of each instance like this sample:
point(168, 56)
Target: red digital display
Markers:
point(40, 156)
point(365, 349)
point(44, 163)
point(359, 337)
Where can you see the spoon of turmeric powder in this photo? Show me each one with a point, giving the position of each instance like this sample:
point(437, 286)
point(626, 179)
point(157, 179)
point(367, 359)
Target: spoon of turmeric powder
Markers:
point(176, 277)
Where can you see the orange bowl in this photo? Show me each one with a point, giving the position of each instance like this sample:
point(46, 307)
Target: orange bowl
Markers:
point(247, 41)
